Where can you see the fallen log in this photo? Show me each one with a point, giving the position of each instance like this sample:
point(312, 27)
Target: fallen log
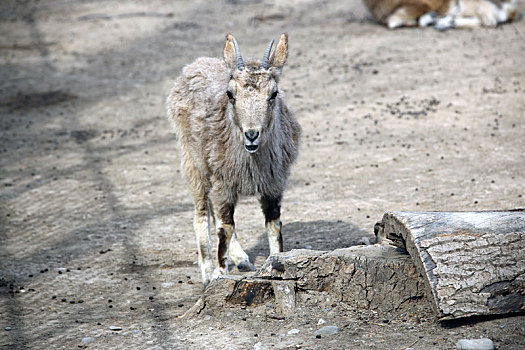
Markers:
point(473, 262)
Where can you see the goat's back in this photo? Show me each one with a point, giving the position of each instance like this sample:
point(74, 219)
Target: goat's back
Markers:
point(199, 88)
point(195, 98)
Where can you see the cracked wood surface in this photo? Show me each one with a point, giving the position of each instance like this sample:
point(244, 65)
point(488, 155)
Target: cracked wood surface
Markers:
point(474, 262)
point(381, 278)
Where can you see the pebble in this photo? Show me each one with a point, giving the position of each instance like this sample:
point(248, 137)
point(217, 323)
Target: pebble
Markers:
point(168, 284)
point(8, 328)
point(115, 328)
point(327, 330)
point(308, 246)
point(87, 340)
point(364, 241)
point(475, 344)
point(293, 331)
point(259, 346)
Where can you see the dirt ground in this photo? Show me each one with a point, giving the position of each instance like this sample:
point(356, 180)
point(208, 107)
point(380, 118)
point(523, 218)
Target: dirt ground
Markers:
point(96, 221)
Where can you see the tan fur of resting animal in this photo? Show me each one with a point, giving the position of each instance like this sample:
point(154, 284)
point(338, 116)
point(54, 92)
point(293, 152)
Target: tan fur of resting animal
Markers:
point(237, 137)
point(442, 14)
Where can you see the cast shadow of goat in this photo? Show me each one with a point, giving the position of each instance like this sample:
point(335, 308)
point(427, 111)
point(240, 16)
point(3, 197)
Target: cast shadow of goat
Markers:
point(317, 235)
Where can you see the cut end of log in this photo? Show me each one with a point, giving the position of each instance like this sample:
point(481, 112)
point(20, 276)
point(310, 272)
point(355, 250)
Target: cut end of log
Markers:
point(473, 262)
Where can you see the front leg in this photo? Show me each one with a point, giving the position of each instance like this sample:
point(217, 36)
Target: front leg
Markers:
point(225, 227)
point(272, 213)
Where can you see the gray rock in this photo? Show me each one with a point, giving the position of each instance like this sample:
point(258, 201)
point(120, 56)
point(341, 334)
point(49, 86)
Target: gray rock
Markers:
point(475, 344)
point(259, 346)
point(87, 340)
point(364, 240)
point(327, 330)
point(115, 328)
point(293, 331)
point(8, 328)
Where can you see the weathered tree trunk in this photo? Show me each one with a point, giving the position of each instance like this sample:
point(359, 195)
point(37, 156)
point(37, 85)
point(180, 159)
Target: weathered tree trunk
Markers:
point(474, 262)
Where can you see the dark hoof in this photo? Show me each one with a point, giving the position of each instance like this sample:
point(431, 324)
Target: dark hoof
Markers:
point(246, 266)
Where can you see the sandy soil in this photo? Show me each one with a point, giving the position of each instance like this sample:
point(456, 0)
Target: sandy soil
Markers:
point(96, 221)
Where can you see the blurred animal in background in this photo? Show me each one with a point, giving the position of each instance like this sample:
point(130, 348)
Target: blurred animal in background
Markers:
point(442, 14)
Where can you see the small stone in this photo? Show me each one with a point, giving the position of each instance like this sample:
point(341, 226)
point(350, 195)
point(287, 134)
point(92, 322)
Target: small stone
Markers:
point(293, 331)
point(259, 346)
point(308, 246)
point(475, 344)
point(8, 328)
point(327, 330)
point(87, 340)
point(168, 284)
point(364, 241)
point(321, 321)
point(115, 328)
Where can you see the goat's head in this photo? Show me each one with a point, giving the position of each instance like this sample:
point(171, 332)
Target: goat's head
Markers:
point(253, 91)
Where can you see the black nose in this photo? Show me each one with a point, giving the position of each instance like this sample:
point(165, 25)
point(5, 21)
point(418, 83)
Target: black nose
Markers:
point(251, 135)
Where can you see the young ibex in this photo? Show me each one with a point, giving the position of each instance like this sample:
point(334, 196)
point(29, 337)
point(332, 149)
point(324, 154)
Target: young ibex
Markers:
point(443, 14)
point(237, 137)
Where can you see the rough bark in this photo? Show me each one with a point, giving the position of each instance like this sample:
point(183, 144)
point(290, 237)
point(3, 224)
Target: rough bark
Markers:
point(380, 278)
point(473, 262)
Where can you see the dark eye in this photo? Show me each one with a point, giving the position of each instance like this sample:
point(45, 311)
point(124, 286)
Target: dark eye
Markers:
point(274, 95)
point(230, 95)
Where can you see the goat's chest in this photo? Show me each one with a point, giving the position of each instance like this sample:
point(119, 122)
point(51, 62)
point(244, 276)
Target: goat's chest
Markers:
point(255, 176)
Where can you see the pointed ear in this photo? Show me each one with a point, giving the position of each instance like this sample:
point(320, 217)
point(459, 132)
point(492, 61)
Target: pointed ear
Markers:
point(229, 52)
point(280, 54)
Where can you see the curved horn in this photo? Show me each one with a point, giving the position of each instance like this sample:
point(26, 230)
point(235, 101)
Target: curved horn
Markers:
point(238, 57)
point(266, 57)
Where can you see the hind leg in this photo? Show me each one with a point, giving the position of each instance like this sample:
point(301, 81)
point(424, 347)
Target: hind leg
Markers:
point(200, 185)
point(404, 16)
point(201, 224)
